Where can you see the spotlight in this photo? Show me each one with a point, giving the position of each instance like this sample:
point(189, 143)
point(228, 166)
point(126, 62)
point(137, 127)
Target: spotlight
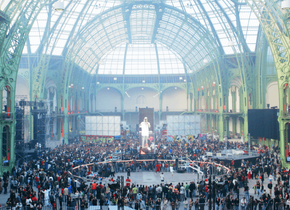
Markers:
point(285, 4)
point(59, 6)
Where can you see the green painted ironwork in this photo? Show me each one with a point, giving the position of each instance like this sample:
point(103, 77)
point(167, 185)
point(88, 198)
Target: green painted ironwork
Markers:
point(11, 50)
point(275, 27)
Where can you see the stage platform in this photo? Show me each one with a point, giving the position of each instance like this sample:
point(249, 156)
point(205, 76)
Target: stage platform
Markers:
point(237, 159)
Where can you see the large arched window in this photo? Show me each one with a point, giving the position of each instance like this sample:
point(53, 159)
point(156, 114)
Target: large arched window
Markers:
point(141, 100)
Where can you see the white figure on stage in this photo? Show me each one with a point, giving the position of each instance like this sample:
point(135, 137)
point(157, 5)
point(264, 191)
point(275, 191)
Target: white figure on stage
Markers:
point(145, 125)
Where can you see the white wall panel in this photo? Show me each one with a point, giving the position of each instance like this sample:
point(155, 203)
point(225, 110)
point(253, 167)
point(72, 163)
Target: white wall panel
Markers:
point(88, 119)
point(99, 119)
point(183, 125)
point(94, 119)
point(105, 126)
point(94, 127)
point(111, 127)
point(117, 119)
point(116, 127)
point(105, 119)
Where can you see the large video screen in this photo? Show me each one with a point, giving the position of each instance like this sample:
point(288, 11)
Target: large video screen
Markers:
point(264, 123)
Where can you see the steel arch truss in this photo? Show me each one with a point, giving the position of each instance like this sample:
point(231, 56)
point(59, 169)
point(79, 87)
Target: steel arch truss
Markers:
point(276, 29)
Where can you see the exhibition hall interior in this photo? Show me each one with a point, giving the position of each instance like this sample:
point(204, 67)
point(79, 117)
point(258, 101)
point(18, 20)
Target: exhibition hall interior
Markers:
point(84, 70)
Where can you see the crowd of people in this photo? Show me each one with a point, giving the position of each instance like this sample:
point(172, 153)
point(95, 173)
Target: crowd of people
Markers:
point(54, 179)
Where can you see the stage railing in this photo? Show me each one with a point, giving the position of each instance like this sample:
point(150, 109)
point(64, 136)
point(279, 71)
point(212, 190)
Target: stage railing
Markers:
point(149, 160)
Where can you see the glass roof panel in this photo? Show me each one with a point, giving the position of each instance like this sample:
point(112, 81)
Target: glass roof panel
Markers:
point(222, 15)
point(183, 34)
point(142, 23)
point(141, 59)
point(250, 26)
point(69, 18)
point(169, 62)
point(113, 62)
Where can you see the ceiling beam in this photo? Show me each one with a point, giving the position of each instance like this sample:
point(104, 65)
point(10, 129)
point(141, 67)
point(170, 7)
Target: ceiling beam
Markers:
point(159, 9)
point(127, 10)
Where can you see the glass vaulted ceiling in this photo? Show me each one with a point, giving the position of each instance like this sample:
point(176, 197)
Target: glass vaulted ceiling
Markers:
point(135, 22)
point(141, 59)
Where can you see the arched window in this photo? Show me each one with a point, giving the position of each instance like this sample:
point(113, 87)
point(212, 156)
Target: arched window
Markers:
point(141, 100)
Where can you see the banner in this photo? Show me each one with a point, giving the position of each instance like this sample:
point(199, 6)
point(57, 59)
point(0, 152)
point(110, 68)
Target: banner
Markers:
point(97, 139)
point(180, 138)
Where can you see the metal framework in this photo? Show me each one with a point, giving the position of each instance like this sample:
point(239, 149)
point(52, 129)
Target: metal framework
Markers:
point(70, 50)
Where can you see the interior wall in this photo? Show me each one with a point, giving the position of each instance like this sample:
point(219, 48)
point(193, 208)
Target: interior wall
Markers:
point(272, 95)
point(175, 99)
point(141, 99)
point(107, 100)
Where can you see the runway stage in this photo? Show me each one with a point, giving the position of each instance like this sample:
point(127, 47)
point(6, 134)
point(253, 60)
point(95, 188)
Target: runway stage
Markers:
point(149, 178)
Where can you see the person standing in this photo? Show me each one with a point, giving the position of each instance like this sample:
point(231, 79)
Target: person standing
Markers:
point(165, 203)
point(246, 190)
point(5, 185)
point(270, 186)
point(173, 204)
point(128, 182)
point(145, 125)
point(134, 191)
point(217, 203)
point(243, 203)
point(162, 177)
point(258, 186)
point(201, 202)
point(182, 193)
point(185, 204)
point(171, 168)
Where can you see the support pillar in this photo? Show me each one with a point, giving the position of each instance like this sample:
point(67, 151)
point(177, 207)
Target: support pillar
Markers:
point(283, 140)
point(221, 127)
point(66, 128)
point(234, 125)
point(160, 106)
point(206, 123)
point(234, 99)
point(191, 98)
point(241, 100)
point(1, 134)
point(12, 143)
point(1, 147)
point(122, 107)
point(245, 127)
point(227, 125)
point(210, 123)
